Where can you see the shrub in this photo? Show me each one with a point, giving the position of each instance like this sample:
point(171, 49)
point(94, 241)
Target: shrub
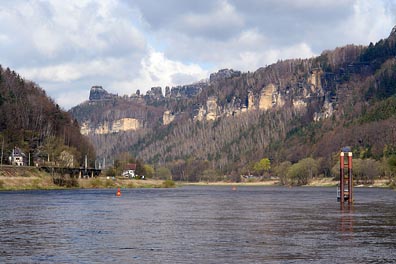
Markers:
point(302, 172)
point(163, 173)
point(131, 185)
point(96, 183)
point(65, 182)
point(110, 172)
point(168, 184)
point(109, 184)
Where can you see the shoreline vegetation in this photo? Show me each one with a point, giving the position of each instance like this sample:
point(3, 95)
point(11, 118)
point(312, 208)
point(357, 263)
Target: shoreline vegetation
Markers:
point(13, 179)
point(317, 182)
point(34, 179)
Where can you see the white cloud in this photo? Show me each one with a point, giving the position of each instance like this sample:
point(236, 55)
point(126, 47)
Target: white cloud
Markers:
point(68, 46)
point(68, 98)
point(252, 60)
point(222, 19)
point(68, 72)
point(157, 70)
point(370, 21)
point(4, 39)
point(72, 30)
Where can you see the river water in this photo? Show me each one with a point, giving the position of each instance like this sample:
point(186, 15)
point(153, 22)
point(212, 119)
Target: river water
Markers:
point(197, 225)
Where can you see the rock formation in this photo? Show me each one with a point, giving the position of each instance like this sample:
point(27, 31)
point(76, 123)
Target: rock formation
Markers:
point(223, 74)
point(98, 93)
point(167, 117)
point(123, 124)
point(267, 97)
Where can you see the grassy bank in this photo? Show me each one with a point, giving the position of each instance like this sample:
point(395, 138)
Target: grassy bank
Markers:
point(317, 182)
point(45, 182)
point(30, 178)
point(16, 178)
point(102, 182)
point(223, 183)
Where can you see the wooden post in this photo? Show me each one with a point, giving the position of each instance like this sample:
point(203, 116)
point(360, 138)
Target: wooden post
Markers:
point(342, 177)
point(350, 182)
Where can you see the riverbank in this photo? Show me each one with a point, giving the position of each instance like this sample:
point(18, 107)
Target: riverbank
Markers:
point(30, 178)
point(43, 182)
point(317, 182)
point(224, 183)
point(330, 182)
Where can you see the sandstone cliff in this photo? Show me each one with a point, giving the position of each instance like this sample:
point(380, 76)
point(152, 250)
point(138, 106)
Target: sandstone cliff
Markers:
point(115, 126)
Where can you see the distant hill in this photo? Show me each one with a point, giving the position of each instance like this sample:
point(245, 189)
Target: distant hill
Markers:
point(289, 110)
point(31, 122)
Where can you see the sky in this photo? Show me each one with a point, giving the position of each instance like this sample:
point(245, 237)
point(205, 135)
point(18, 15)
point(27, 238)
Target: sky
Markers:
point(124, 45)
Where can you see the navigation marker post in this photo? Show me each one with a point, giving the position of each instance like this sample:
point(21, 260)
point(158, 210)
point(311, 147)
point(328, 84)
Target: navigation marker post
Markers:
point(345, 187)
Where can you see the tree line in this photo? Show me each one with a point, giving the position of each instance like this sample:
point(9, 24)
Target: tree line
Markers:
point(33, 122)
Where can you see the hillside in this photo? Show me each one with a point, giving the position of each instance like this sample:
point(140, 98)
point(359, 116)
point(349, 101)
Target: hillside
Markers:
point(32, 123)
point(286, 111)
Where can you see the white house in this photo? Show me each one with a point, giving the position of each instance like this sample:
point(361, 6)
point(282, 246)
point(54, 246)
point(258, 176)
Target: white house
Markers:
point(17, 158)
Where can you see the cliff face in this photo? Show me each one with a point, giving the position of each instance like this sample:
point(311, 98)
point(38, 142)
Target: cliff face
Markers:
point(115, 126)
point(228, 93)
point(267, 97)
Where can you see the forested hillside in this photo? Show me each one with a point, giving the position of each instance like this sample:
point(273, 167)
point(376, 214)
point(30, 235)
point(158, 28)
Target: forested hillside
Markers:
point(286, 112)
point(33, 123)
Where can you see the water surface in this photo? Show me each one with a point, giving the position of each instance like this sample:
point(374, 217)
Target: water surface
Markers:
point(197, 225)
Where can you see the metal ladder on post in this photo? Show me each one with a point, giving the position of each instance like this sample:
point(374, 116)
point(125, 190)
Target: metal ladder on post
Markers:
point(345, 187)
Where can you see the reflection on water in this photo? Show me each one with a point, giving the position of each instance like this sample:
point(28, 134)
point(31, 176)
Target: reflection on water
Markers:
point(197, 225)
point(346, 223)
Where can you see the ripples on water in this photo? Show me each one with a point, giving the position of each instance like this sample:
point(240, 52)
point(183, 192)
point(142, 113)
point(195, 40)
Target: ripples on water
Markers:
point(197, 225)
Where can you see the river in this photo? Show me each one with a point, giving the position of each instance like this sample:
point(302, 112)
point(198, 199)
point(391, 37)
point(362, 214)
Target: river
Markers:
point(197, 225)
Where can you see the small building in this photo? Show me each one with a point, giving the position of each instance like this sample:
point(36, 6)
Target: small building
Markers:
point(17, 157)
point(129, 170)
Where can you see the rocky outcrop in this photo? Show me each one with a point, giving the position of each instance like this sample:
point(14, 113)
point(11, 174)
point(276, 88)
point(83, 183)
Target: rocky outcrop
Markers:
point(186, 91)
point(123, 124)
point(167, 92)
point(267, 97)
point(209, 112)
point(223, 74)
point(155, 93)
point(326, 111)
point(228, 93)
point(393, 32)
point(98, 93)
point(251, 105)
point(167, 117)
point(315, 82)
point(211, 106)
point(200, 114)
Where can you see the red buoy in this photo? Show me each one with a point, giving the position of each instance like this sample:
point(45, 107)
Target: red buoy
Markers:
point(118, 194)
